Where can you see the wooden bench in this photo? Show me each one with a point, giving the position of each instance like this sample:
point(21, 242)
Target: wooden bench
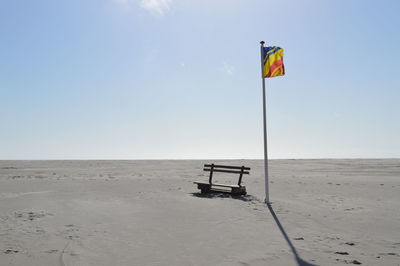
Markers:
point(215, 187)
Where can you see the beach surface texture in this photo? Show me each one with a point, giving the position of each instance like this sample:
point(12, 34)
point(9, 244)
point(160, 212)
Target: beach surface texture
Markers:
point(139, 213)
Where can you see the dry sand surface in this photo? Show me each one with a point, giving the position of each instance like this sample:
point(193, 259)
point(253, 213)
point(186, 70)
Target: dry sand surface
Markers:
point(106, 213)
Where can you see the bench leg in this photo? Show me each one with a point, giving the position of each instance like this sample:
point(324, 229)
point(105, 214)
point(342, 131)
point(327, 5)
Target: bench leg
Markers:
point(205, 190)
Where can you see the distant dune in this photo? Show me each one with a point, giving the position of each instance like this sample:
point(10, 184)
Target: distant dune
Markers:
point(106, 213)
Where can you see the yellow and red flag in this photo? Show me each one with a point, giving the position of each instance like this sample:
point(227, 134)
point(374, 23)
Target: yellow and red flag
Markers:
point(273, 62)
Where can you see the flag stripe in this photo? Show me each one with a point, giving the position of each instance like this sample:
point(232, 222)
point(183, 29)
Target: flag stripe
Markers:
point(273, 62)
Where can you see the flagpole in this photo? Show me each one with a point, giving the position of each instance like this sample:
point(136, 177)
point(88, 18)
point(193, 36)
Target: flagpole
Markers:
point(265, 125)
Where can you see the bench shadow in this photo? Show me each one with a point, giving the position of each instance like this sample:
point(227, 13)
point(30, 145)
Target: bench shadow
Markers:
point(212, 195)
point(299, 260)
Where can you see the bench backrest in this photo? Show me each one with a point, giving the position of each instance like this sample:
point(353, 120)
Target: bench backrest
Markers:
point(241, 170)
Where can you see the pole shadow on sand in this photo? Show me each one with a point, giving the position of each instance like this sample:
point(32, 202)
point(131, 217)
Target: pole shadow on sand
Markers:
point(222, 195)
point(299, 260)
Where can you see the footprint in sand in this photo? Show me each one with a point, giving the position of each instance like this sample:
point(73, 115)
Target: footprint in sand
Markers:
point(342, 252)
point(349, 261)
point(15, 177)
point(11, 251)
point(395, 245)
point(31, 215)
point(71, 232)
point(51, 251)
point(389, 254)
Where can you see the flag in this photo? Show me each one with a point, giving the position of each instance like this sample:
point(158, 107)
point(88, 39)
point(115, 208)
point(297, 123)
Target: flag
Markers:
point(273, 62)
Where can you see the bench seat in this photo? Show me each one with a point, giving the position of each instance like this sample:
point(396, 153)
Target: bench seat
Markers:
point(216, 184)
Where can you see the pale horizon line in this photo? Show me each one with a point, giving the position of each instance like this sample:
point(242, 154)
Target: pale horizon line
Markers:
point(215, 159)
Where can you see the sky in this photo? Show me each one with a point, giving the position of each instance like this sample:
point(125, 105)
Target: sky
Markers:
point(180, 79)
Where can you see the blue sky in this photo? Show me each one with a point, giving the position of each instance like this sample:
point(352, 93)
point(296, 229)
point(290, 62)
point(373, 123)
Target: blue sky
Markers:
point(180, 79)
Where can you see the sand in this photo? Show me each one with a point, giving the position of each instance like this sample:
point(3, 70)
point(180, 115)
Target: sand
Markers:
point(324, 212)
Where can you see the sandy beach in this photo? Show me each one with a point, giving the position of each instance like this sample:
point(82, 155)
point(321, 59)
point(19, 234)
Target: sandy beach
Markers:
point(103, 213)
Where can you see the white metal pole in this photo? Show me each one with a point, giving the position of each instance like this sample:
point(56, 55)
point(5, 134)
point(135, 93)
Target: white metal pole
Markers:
point(265, 125)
